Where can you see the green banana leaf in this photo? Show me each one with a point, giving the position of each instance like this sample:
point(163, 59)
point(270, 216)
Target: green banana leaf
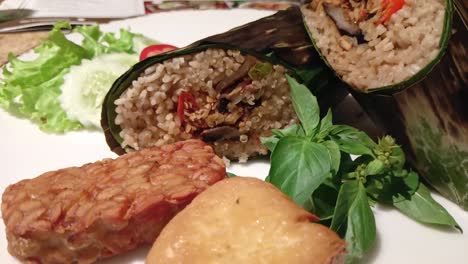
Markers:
point(421, 74)
point(428, 113)
point(430, 118)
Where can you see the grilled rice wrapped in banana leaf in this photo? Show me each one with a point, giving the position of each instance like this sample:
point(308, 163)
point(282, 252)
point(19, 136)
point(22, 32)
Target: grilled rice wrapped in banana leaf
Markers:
point(228, 89)
point(394, 55)
point(430, 118)
point(376, 45)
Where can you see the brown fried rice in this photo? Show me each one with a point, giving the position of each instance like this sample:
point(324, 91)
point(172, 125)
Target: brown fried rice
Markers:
point(246, 110)
point(387, 53)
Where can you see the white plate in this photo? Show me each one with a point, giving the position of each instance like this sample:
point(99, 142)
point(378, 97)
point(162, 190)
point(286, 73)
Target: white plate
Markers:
point(26, 152)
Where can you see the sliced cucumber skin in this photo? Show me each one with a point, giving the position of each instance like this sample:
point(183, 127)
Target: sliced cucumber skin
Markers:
point(86, 85)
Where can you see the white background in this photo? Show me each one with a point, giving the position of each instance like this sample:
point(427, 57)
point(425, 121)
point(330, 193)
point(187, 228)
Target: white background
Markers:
point(26, 152)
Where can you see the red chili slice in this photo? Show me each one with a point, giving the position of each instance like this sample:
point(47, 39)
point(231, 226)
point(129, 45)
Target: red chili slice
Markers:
point(185, 99)
point(154, 50)
point(389, 8)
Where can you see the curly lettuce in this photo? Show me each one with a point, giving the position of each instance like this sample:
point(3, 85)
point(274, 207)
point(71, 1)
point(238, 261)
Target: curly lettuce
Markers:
point(31, 89)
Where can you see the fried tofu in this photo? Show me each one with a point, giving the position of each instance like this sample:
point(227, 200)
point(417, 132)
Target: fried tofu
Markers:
point(245, 220)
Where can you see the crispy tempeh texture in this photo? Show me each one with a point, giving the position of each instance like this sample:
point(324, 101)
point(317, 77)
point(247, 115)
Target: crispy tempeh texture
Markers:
point(81, 214)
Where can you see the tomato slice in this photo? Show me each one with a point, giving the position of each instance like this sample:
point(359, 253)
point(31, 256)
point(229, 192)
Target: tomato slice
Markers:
point(154, 50)
point(389, 8)
point(185, 99)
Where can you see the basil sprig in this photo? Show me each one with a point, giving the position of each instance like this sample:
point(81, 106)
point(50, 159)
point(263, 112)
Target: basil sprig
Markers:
point(311, 162)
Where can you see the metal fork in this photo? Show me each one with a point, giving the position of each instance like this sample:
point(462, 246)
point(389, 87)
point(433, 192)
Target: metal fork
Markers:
point(23, 4)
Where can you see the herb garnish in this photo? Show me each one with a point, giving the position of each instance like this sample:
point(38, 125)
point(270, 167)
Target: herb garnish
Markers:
point(260, 70)
point(32, 88)
point(230, 174)
point(311, 163)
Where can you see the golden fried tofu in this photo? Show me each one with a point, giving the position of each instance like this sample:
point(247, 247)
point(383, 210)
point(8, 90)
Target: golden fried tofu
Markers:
point(245, 220)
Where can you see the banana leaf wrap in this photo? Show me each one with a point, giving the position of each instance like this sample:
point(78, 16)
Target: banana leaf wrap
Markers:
point(278, 39)
point(379, 84)
point(430, 118)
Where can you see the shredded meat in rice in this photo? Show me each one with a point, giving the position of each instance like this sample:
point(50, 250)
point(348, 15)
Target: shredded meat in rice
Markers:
point(224, 97)
point(371, 47)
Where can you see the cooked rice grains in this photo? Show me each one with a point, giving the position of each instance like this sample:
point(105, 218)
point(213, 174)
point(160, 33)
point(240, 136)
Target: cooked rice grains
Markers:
point(231, 109)
point(392, 52)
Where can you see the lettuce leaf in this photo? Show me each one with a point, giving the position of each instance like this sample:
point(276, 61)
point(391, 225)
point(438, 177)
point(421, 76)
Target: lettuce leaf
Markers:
point(30, 89)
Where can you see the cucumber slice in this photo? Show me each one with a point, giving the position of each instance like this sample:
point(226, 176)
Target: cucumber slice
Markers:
point(86, 85)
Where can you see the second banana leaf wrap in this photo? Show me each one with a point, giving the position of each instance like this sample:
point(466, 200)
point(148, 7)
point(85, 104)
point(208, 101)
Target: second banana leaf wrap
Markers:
point(409, 71)
point(228, 89)
point(430, 118)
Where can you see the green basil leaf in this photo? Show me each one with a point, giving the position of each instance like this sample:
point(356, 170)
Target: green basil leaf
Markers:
point(353, 219)
point(375, 167)
point(347, 164)
point(260, 70)
point(335, 155)
point(424, 209)
point(306, 106)
point(230, 174)
point(412, 183)
point(364, 159)
point(390, 189)
point(298, 167)
point(400, 173)
point(270, 142)
point(361, 229)
point(324, 201)
point(397, 158)
point(325, 125)
point(350, 132)
point(309, 205)
point(292, 130)
point(346, 195)
point(310, 74)
point(353, 147)
point(352, 141)
point(374, 187)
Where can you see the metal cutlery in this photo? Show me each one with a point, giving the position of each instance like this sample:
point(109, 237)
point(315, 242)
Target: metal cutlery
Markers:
point(14, 14)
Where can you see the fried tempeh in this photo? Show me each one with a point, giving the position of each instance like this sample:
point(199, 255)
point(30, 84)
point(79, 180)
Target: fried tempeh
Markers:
point(81, 214)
